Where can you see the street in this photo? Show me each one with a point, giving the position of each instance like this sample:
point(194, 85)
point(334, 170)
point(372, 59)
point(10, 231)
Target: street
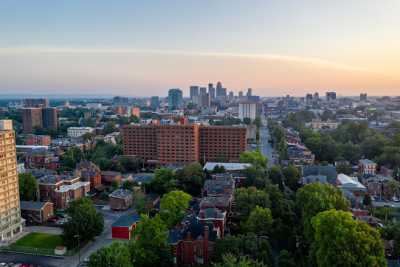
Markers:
point(72, 261)
point(265, 146)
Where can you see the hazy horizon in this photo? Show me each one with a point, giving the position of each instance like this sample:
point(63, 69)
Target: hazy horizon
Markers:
point(143, 49)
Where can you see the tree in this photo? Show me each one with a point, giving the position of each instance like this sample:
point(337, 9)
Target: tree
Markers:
point(254, 157)
point(163, 182)
point(191, 178)
point(314, 198)
point(109, 127)
point(114, 255)
point(292, 177)
point(140, 203)
point(149, 246)
point(276, 175)
point(250, 245)
point(128, 185)
point(259, 221)
point(229, 260)
point(28, 186)
point(248, 198)
point(85, 222)
point(340, 240)
point(173, 206)
point(285, 259)
point(391, 231)
point(70, 158)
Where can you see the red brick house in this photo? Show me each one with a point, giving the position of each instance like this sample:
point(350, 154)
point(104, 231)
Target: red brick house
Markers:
point(62, 189)
point(88, 171)
point(194, 244)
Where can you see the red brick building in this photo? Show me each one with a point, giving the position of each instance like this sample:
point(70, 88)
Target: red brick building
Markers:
point(38, 140)
point(184, 143)
point(222, 143)
point(62, 189)
point(88, 171)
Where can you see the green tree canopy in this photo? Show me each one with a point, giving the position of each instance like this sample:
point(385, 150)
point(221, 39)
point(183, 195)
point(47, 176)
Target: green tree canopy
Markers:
point(314, 198)
point(340, 240)
point(114, 255)
point(248, 198)
point(85, 222)
point(259, 221)
point(191, 178)
point(173, 206)
point(28, 186)
point(229, 260)
point(163, 182)
point(254, 157)
point(149, 246)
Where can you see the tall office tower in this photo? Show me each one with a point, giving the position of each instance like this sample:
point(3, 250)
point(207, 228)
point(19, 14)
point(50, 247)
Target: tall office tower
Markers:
point(221, 92)
point(194, 92)
point(175, 99)
point(204, 100)
point(249, 92)
point(231, 96)
point(31, 119)
point(316, 96)
point(10, 214)
point(309, 99)
point(154, 102)
point(330, 96)
point(120, 100)
point(50, 118)
point(240, 94)
point(36, 102)
point(363, 97)
point(203, 90)
point(211, 91)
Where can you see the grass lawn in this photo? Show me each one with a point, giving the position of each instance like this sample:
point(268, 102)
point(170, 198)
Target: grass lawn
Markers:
point(39, 240)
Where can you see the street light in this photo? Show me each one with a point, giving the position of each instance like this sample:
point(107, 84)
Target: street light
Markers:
point(79, 249)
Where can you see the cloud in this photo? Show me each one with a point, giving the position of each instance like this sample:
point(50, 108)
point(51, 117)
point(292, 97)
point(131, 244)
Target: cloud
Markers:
point(103, 50)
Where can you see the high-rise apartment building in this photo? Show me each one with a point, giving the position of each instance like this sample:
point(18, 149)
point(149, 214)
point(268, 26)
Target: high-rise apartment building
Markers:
point(211, 91)
point(247, 109)
point(249, 92)
point(194, 92)
point(184, 143)
point(36, 102)
point(222, 143)
point(31, 119)
point(50, 118)
point(221, 92)
point(175, 99)
point(154, 102)
point(10, 214)
point(330, 96)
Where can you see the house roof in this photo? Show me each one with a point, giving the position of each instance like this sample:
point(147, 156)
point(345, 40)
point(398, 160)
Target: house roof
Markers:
point(327, 170)
point(347, 182)
point(209, 166)
point(366, 161)
point(32, 205)
point(126, 220)
point(121, 193)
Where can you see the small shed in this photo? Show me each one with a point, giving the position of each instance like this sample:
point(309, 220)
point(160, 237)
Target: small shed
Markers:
point(124, 226)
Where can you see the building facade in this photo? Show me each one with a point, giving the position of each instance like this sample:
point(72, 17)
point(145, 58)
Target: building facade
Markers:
point(50, 118)
point(247, 110)
point(31, 119)
point(79, 131)
point(175, 99)
point(183, 143)
point(10, 213)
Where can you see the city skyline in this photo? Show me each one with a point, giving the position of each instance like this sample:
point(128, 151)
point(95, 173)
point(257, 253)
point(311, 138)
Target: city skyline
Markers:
point(276, 48)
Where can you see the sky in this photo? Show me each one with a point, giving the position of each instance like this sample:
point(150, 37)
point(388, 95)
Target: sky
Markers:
point(143, 48)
